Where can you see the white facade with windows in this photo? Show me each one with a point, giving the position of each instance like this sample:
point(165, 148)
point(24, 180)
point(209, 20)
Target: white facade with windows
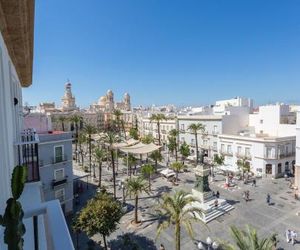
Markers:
point(297, 167)
point(148, 127)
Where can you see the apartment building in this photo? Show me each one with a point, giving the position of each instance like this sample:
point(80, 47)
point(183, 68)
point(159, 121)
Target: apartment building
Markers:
point(44, 221)
point(267, 143)
point(297, 166)
point(214, 125)
point(148, 127)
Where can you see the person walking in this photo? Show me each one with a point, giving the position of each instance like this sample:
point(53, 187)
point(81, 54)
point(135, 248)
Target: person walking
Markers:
point(254, 183)
point(268, 199)
point(162, 247)
point(288, 235)
point(217, 194)
point(293, 237)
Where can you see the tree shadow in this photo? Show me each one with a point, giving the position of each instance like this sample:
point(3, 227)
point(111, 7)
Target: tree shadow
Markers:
point(188, 181)
point(163, 189)
point(232, 202)
point(132, 241)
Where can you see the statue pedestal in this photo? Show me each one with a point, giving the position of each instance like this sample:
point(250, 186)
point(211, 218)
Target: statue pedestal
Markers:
point(211, 206)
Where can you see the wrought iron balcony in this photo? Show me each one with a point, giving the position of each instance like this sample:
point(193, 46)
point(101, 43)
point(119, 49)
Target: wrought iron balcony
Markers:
point(28, 155)
point(59, 182)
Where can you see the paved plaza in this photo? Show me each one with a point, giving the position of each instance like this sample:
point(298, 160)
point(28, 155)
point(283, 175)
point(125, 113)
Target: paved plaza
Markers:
point(276, 218)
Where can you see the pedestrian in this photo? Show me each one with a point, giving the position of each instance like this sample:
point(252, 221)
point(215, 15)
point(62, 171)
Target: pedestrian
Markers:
point(288, 235)
point(268, 199)
point(247, 195)
point(293, 237)
point(254, 183)
point(217, 194)
point(162, 247)
point(216, 203)
point(213, 193)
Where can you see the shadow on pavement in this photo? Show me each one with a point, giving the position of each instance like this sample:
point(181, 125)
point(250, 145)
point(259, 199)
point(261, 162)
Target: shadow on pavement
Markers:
point(132, 241)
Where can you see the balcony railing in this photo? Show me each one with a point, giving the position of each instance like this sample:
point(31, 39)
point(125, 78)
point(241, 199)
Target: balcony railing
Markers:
point(242, 155)
point(224, 152)
point(27, 148)
point(215, 133)
point(58, 159)
point(59, 182)
point(163, 131)
point(279, 156)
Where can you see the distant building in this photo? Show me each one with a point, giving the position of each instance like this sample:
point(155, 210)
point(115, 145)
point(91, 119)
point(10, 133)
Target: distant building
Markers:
point(297, 167)
point(68, 100)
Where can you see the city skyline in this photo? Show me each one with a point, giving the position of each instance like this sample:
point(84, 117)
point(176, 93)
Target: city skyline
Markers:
point(181, 53)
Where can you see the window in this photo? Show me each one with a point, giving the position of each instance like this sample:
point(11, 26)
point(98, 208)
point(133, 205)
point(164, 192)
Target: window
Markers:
point(229, 149)
point(222, 148)
point(182, 140)
point(215, 131)
point(270, 152)
point(59, 174)
point(247, 151)
point(261, 131)
point(205, 142)
point(58, 153)
point(60, 194)
point(261, 121)
point(192, 142)
point(215, 145)
point(182, 127)
point(239, 150)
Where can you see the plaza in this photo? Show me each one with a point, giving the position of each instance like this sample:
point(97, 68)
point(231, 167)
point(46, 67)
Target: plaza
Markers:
point(267, 219)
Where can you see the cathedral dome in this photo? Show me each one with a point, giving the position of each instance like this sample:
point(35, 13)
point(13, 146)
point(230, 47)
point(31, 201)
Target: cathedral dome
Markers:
point(102, 100)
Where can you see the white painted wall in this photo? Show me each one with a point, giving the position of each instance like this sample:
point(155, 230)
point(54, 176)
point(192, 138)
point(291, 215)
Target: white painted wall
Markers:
point(10, 121)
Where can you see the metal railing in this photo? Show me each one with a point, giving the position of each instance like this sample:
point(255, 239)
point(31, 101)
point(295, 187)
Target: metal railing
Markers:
point(27, 148)
point(58, 182)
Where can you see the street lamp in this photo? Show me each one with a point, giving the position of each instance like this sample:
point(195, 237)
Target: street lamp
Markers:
point(209, 242)
point(200, 245)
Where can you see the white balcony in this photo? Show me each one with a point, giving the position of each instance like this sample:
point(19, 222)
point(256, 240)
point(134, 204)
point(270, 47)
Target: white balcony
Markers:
point(45, 223)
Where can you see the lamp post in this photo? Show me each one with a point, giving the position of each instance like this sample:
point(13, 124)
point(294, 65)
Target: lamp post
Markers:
point(210, 244)
point(123, 193)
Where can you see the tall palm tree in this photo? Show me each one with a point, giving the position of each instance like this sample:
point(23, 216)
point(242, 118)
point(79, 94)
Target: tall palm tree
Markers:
point(248, 240)
point(147, 139)
point(177, 210)
point(62, 119)
point(147, 171)
point(120, 122)
point(156, 157)
point(89, 130)
point(194, 129)
point(174, 133)
point(99, 155)
point(129, 161)
point(135, 187)
point(81, 140)
point(177, 167)
point(76, 119)
point(157, 118)
point(110, 138)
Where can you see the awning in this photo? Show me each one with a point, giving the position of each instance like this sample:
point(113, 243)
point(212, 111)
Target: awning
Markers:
point(77, 174)
point(140, 148)
point(167, 173)
point(228, 168)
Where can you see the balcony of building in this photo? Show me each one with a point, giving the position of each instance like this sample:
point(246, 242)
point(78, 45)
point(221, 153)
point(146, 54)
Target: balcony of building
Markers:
point(215, 133)
point(59, 182)
point(27, 151)
point(241, 155)
point(45, 223)
point(226, 153)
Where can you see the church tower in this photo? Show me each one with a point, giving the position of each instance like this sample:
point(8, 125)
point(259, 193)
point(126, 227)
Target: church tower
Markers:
point(127, 104)
point(68, 100)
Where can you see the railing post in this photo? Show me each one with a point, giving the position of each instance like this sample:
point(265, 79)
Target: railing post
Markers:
point(36, 232)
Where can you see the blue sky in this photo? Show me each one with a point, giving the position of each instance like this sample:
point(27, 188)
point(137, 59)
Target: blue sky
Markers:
point(167, 51)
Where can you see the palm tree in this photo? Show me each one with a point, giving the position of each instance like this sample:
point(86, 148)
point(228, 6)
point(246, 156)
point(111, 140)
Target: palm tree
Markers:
point(62, 119)
point(76, 119)
point(136, 186)
point(195, 128)
point(110, 138)
point(81, 140)
point(89, 130)
point(157, 118)
point(248, 240)
point(174, 133)
point(243, 164)
point(156, 157)
point(177, 167)
point(184, 151)
point(148, 170)
point(147, 139)
point(119, 121)
point(129, 161)
point(99, 155)
point(218, 161)
point(177, 210)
